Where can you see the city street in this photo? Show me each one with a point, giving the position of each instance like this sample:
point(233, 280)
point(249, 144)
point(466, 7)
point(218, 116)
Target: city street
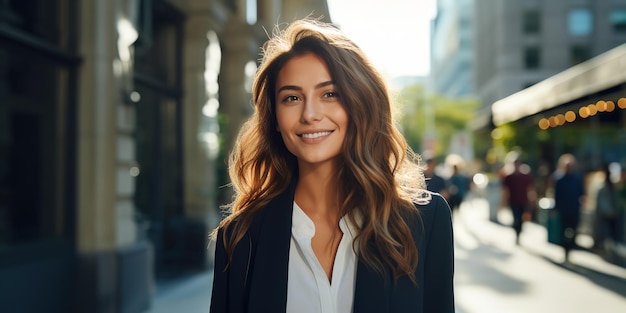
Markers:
point(492, 273)
point(495, 275)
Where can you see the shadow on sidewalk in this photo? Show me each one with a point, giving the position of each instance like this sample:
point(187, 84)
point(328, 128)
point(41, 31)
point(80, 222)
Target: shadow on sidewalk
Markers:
point(607, 281)
point(475, 258)
point(599, 269)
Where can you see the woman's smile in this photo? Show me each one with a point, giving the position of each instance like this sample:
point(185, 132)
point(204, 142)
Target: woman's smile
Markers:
point(315, 135)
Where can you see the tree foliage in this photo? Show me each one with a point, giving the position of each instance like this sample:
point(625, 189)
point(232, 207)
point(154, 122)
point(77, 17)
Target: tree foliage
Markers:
point(433, 117)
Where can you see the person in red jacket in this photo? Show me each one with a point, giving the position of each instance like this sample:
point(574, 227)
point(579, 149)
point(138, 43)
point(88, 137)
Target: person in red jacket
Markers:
point(518, 192)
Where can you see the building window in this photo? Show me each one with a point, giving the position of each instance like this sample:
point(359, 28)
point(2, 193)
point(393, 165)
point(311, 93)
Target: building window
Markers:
point(532, 22)
point(38, 18)
point(618, 20)
point(158, 193)
point(580, 53)
point(532, 57)
point(251, 12)
point(580, 22)
point(528, 84)
point(230, 4)
point(36, 135)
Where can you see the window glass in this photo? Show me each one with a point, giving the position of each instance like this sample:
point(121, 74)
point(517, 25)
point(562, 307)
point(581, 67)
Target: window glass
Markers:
point(251, 12)
point(532, 22)
point(32, 169)
point(580, 22)
point(38, 18)
point(529, 84)
point(618, 20)
point(158, 134)
point(532, 57)
point(580, 53)
point(36, 83)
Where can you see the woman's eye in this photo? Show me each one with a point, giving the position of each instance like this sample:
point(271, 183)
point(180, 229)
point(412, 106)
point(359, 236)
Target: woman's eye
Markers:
point(290, 99)
point(331, 94)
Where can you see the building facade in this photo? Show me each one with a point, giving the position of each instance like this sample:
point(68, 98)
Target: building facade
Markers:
point(520, 43)
point(115, 116)
point(451, 49)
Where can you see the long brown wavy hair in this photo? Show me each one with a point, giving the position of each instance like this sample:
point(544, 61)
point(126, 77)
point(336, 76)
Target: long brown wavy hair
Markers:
point(379, 176)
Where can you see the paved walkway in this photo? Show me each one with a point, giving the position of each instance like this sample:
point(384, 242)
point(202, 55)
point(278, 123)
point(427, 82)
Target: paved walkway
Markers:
point(191, 294)
point(493, 275)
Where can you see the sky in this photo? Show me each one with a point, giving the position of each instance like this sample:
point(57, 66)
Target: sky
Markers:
point(393, 33)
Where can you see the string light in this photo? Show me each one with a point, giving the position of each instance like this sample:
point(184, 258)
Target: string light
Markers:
point(583, 112)
point(570, 116)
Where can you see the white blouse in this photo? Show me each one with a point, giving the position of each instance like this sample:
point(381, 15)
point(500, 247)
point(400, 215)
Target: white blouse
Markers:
point(308, 287)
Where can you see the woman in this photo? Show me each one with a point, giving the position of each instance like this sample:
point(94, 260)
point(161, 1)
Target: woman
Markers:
point(330, 213)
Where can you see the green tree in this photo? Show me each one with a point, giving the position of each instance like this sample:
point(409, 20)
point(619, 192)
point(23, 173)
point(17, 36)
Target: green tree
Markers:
point(426, 115)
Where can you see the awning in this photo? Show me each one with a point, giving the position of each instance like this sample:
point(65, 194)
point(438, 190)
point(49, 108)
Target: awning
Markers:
point(600, 73)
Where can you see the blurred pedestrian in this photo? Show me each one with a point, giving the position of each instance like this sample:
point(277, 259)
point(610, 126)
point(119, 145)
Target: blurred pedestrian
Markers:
point(569, 192)
point(434, 182)
point(330, 212)
point(458, 186)
point(608, 206)
point(518, 192)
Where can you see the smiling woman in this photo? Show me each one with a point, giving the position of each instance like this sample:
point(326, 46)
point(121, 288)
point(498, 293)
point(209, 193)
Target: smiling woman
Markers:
point(330, 213)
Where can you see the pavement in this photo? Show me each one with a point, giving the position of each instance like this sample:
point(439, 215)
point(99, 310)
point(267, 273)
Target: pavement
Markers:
point(187, 294)
point(492, 273)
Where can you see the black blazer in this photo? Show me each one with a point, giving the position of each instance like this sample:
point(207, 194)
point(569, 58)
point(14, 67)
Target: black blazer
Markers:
point(256, 278)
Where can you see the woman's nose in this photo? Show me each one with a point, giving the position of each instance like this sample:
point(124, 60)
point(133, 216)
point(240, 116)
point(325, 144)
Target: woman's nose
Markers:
point(312, 111)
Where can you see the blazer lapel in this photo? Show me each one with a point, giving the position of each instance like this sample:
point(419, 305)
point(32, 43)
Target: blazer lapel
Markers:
point(271, 241)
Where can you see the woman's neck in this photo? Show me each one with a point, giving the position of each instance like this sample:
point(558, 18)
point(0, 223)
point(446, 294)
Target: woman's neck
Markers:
point(317, 193)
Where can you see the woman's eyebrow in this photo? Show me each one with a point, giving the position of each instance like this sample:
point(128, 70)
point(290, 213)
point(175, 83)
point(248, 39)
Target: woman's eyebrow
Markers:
point(289, 87)
point(324, 84)
point(298, 88)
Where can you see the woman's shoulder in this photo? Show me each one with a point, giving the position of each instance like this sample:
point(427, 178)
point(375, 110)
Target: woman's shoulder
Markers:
point(431, 200)
point(432, 217)
point(428, 206)
point(434, 206)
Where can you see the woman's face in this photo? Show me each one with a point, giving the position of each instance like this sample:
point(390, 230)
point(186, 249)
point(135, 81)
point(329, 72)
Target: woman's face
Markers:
point(311, 117)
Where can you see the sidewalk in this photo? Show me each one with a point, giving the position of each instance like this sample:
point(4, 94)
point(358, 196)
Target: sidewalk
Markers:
point(534, 236)
point(616, 255)
point(190, 294)
point(493, 274)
